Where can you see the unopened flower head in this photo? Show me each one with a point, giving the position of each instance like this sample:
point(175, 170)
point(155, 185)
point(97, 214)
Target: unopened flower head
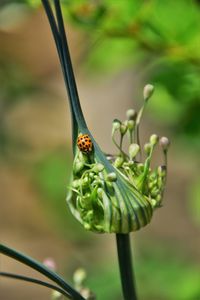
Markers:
point(118, 195)
point(164, 143)
point(148, 91)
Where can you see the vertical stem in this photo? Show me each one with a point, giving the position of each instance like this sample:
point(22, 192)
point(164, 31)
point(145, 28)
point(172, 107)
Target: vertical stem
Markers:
point(125, 266)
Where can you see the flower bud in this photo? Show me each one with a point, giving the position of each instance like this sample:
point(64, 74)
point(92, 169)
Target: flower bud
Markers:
point(164, 143)
point(123, 128)
point(153, 202)
point(158, 198)
point(76, 183)
point(100, 192)
point(140, 167)
point(91, 175)
point(130, 124)
point(147, 148)
point(131, 114)
point(111, 177)
point(79, 276)
point(97, 168)
point(162, 171)
point(118, 162)
point(56, 295)
point(148, 91)
point(85, 182)
point(133, 150)
point(154, 192)
point(154, 139)
point(78, 166)
point(116, 124)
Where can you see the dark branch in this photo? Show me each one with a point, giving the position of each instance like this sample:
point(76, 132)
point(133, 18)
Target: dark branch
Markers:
point(36, 281)
point(42, 269)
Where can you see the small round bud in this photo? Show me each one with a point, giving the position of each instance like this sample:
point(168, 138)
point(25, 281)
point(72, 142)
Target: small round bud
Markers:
point(154, 139)
point(164, 143)
point(111, 177)
point(79, 276)
point(131, 124)
point(161, 171)
point(151, 185)
point(131, 114)
point(100, 192)
point(133, 150)
point(85, 182)
point(56, 295)
point(78, 166)
point(123, 128)
point(91, 175)
point(116, 124)
point(97, 168)
point(153, 202)
point(148, 91)
point(87, 226)
point(154, 192)
point(158, 198)
point(140, 167)
point(76, 183)
point(118, 162)
point(147, 148)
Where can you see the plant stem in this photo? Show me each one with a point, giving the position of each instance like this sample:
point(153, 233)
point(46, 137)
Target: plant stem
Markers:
point(42, 269)
point(36, 281)
point(125, 266)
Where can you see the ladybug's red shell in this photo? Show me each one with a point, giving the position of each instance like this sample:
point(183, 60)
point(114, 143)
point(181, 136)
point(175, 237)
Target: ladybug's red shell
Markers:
point(84, 143)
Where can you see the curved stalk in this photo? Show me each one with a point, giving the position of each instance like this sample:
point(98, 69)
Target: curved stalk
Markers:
point(125, 266)
point(42, 269)
point(36, 281)
point(59, 46)
point(72, 88)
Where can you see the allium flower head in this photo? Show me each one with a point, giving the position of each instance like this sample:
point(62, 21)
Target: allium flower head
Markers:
point(117, 193)
point(109, 193)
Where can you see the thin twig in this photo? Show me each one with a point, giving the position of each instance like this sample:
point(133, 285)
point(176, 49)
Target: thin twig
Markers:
point(36, 281)
point(42, 269)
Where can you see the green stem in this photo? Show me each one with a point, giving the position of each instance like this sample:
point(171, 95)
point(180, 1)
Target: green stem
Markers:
point(42, 269)
point(36, 281)
point(72, 88)
point(125, 266)
point(59, 46)
point(60, 38)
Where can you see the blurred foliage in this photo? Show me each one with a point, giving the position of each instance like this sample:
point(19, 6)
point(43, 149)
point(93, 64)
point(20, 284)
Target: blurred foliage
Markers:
point(163, 37)
point(16, 86)
point(162, 273)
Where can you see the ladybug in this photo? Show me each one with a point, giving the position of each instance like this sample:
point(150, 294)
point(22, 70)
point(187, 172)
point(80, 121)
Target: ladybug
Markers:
point(84, 143)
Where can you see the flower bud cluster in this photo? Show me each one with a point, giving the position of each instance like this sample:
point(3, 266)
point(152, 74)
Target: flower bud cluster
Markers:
point(88, 183)
point(120, 193)
point(149, 182)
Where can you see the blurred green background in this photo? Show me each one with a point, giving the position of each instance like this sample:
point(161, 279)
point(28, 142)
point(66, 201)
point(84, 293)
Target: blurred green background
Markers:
point(117, 47)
